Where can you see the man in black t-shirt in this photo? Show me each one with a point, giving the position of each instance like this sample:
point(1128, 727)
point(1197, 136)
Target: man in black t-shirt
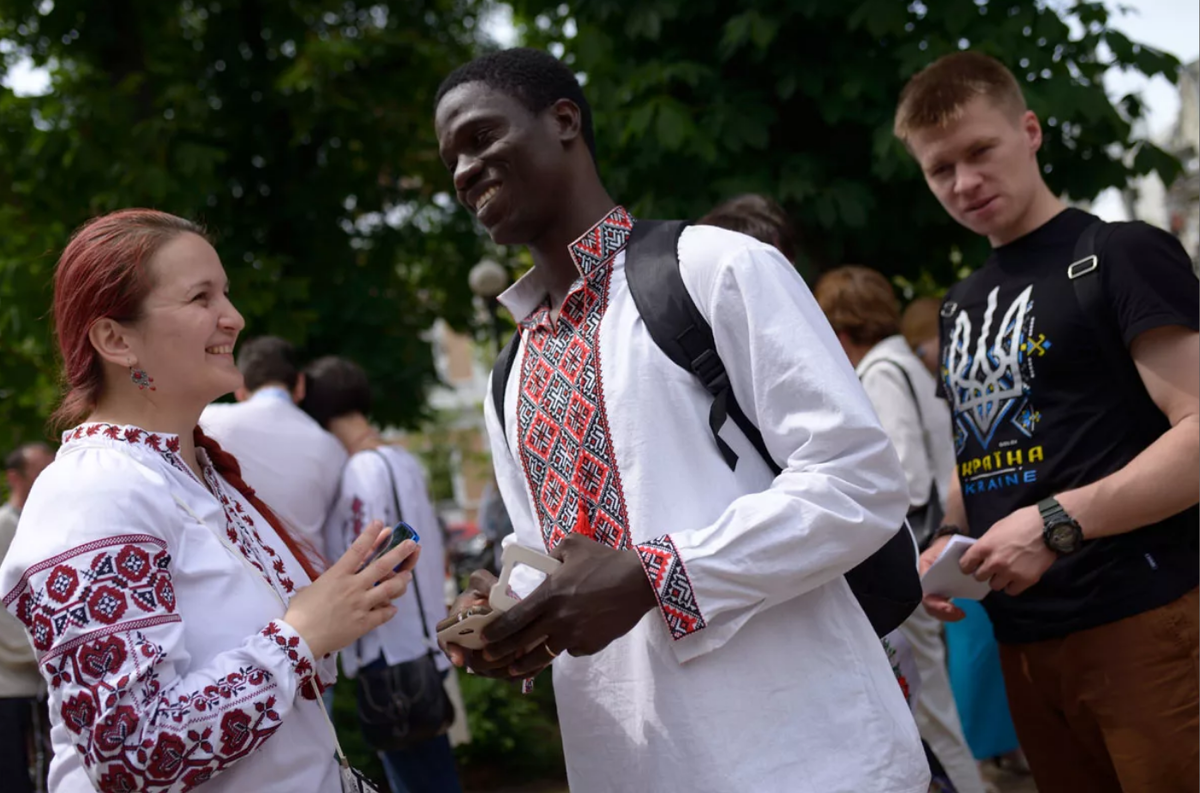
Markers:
point(1078, 448)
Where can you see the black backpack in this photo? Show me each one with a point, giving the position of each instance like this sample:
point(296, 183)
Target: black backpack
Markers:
point(886, 584)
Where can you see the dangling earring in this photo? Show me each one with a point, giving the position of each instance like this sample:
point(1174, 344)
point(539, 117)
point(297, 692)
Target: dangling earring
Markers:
point(140, 378)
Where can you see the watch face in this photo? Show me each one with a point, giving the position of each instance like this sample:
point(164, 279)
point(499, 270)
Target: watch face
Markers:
point(1063, 536)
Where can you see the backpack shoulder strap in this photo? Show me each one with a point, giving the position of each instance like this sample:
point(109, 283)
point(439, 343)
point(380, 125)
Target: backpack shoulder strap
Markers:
point(501, 370)
point(679, 329)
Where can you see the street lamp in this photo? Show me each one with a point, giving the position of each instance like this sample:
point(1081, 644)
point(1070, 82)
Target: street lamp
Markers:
point(487, 280)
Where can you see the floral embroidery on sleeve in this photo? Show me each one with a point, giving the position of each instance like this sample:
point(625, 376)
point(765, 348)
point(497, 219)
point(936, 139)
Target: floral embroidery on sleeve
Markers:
point(103, 619)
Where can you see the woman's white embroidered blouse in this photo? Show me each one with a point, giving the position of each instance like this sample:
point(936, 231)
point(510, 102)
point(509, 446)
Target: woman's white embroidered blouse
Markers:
point(154, 603)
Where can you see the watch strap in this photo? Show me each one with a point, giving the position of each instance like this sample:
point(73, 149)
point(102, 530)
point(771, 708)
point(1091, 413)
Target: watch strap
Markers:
point(1051, 510)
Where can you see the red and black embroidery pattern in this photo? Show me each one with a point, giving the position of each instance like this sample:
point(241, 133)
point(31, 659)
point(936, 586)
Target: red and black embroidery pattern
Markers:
point(676, 598)
point(565, 445)
point(94, 612)
point(99, 588)
point(242, 533)
point(239, 525)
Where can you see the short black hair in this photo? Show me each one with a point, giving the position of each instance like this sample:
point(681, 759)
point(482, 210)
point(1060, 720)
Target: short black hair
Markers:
point(18, 459)
point(268, 359)
point(757, 216)
point(335, 387)
point(534, 78)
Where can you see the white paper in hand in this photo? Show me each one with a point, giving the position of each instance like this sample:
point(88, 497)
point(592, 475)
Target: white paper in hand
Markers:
point(947, 579)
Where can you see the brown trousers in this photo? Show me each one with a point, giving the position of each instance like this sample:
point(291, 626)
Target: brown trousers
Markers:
point(1113, 709)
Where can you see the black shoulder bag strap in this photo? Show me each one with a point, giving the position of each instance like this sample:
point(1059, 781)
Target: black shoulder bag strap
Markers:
point(1086, 278)
point(916, 402)
point(680, 330)
point(429, 643)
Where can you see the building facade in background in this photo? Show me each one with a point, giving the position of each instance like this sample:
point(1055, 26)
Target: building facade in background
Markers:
point(1175, 208)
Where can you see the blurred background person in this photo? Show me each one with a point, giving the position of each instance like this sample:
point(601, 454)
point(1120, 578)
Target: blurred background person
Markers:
point(756, 216)
point(972, 654)
point(285, 455)
point(862, 308)
point(24, 732)
point(400, 659)
point(919, 326)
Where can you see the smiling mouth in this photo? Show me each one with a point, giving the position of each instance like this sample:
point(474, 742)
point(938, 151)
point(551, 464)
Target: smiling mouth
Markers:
point(487, 196)
point(981, 205)
point(224, 349)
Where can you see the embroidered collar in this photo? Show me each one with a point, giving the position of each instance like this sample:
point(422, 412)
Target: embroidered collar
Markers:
point(594, 250)
point(599, 244)
point(134, 436)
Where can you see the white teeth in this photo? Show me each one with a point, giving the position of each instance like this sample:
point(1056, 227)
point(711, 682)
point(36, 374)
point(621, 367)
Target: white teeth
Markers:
point(487, 196)
point(225, 350)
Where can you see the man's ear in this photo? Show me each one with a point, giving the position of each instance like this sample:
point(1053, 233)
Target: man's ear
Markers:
point(568, 120)
point(299, 391)
point(1033, 130)
point(113, 342)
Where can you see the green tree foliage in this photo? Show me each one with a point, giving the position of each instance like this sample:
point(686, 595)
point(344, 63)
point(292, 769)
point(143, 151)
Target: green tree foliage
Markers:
point(697, 100)
point(298, 132)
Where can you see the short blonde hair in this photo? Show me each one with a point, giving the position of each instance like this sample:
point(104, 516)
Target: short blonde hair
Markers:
point(936, 95)
point(859, 302)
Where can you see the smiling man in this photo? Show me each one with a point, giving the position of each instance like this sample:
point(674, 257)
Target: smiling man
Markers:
point(708, 638)
point(1070, 360)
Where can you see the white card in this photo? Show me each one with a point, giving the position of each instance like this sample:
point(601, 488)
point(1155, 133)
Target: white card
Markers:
point(947, 579)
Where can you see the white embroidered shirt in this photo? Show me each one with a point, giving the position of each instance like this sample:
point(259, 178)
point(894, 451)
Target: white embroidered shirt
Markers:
point(759, 671)
point(154, 603)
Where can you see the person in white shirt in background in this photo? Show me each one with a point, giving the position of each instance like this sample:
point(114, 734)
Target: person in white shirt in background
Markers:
point(862, 308)
point(293, 464)
point(376, 477)
point(23, 712)
point(701, 630)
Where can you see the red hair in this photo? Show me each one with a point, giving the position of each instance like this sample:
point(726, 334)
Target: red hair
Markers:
point(104, 273)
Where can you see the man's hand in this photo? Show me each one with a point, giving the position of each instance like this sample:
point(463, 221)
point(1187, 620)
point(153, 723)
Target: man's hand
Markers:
point(1011, 553)
point(596, 596)
point(937, 605)
point(479, 587)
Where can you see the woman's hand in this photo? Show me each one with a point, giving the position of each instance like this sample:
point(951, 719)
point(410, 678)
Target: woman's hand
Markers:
point(342, 605)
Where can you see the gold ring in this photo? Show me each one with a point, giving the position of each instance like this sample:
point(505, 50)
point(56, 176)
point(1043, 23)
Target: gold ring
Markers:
point(546, 647)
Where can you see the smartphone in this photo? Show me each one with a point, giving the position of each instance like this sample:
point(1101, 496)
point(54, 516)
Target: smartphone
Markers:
point(400, 532)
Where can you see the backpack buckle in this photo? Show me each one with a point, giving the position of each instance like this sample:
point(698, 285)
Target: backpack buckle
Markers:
point(708, 367)
point(1083, 267)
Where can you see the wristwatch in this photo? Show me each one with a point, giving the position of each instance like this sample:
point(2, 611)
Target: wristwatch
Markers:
point(1060, 531)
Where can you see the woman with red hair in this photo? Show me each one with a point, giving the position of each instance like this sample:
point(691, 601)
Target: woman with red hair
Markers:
point(183, 632)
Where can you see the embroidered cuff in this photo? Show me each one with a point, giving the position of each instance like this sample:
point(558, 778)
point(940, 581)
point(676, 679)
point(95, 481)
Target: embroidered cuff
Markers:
point(295, 649)
point(672, 587)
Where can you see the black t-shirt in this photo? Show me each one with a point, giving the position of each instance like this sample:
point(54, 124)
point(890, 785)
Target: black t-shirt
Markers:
point(1038, 410)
